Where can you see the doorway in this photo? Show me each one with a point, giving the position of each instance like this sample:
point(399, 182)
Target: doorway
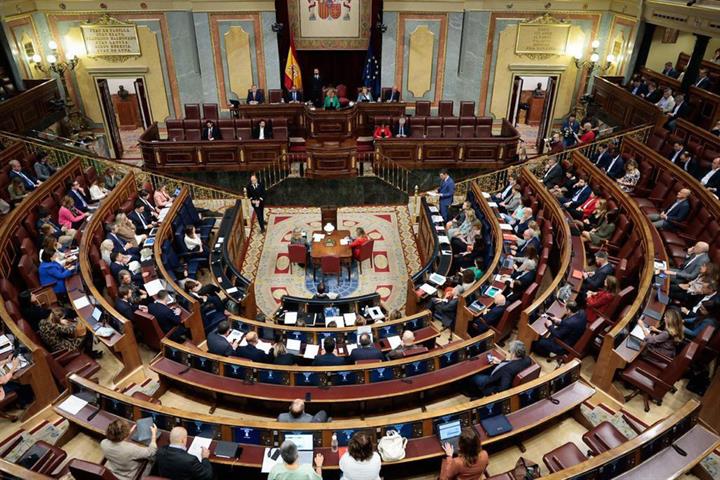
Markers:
point(532, 101)
point(126, 113)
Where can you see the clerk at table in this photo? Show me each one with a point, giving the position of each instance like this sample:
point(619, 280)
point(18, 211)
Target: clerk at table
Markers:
point(361, 239)
point(365, 95)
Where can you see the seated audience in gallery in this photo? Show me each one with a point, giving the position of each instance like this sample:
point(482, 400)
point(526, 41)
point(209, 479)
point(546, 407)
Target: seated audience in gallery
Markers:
point(688, 293)
point(679, 110)
point(568, 330)
point(471, 460)
point(704, 313)
point(218, 342)
point(600, 234)
point(161, 197)
point(669, 70)
point(711, 179)
point(296, 414)
point(653, 94)
point(666, 338)
point(501, 376)
point(365, 350)
point(328, 358)
point(666, 103)
point(598, 302)
point(703, 80)
point(570, 127)
point(638, 87)
point(631, 178)
point(43, 170)
point(676, 213)
point(382, 131)
point(210, 132)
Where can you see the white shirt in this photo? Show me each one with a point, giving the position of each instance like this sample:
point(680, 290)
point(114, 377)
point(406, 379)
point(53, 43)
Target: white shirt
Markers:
point(191, 243)
point(708, 176)
point(261, 133)
point(97, 193)
point(676, 155)
point(355, 470)
point(666, 104)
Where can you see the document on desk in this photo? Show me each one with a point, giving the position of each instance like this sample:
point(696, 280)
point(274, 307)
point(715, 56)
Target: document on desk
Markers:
point(443, 239)
point(293, 345)
point(337, 319)
point(427, 288)
point(505, 226)
point(231, 290)
point(72, 405)
point(433, 209)
point(153, 287)
point(318, 237)
point(394, 341)
point(81, 302)
point(350, 319)
point(350, 347)
point(234, 335)
point(485, 195)
point(264, 346)
point(196, 446)
point(290, 318)
point(437, 219)
point(270, 458)
point(437, 279)
point(311, 351)
point(638, 333)
point(5, 344)
point(492, 204)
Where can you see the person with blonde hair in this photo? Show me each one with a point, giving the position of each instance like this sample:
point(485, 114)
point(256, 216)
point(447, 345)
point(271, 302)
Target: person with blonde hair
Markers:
point(664, 340)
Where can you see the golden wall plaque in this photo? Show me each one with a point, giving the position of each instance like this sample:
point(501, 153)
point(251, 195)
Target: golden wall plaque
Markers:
point(543, 35)
point(110, 38)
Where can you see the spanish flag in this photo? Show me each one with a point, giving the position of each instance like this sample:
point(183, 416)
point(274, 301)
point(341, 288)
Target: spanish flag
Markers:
point(292, 69)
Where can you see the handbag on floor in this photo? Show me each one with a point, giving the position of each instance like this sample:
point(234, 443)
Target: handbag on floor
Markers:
point(524, 472)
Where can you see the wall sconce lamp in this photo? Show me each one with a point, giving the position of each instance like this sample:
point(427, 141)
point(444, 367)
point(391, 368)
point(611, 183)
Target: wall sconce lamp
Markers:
point(591, 63)
point(54, 66)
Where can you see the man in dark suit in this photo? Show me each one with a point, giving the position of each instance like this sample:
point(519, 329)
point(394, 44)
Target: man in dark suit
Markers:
point(568, 330)
point(606, 152)
point(255, 96)
point(167, 317)
point(491, 315)
point(218, 343)
point(653, 94)
point(616, 166)
point(502, 374)
point(121, 246)
point(669, 70)
point(173, 461)
point(522, 279)
point(393, 95)
point(532, 239)
point(402, 129)
point(703, 81)
point(675, 213)
point(595, 280)
point(328, 358)
point(262, 131)
point(77, 193)
point(711, 180)
point(445, 310)
point(677, 149)
point(124, 304)
point(553, 173)
point(365, 350)
point(316, 87)
point(138, 218)
point(256, 193)
point(28, 180)
point(210, 132)
point(578, 196)
point(251, 351)
point(294, 95)
point(679, 111)
point(688, 163)
point(638, 87)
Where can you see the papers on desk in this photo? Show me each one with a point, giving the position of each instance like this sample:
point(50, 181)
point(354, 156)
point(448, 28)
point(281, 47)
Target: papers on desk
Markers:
point(394, 341)
point(345, 241)
point(81, 302)
point(505, 226)
point(439, 228)
point(264, 346)
point(492, 204)
point(318, 237)
point(311, 351)
point(427, 288)
point(72, 405)
point(339, 321)
point(270, 458)
point(350, 319)
point(638, 333)
point(234, 335)
point(163, 213)
point(293, 345)
point(437, 219)
point(485, 195)
point(290, 318)
point(446, 253)
point(6, 344)
point(433, 193)
point(443, 239)
point(105, 332)
point(375, 313)
point(196, 446)
point(433, 209)
point(660, 265)
point(350, 347)
point(437, 279)
point(231, 290)
point(153, 287)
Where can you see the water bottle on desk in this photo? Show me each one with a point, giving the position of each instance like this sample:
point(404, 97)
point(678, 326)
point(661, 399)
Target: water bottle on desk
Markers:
point(334, 443)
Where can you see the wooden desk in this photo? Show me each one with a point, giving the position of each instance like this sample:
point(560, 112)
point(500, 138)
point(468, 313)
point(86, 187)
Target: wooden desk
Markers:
point(331, 159)
point(321, 249)
point(334, 124)
point(624, 107)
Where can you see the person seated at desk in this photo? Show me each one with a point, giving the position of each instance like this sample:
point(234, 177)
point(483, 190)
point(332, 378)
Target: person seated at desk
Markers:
point(565, 186)
point(120, 263)
point(704, 313)
point(321, 292)
point(161, 197)
point(168, 318)
point(255, 96)
point(598, 302)
point(69, 217)
point(462, 223)
point(402, 130)
point(602, 233)
point(675, 214)
point(210, 132)
point(64, 236)
point(501, 376)
point(696, 257)
point(151, 213)
point(361, 238)
point(365, 350)
point(193, 242)
point(207, 294)
point(594, 280)
point(331, 101)
point(251, 351)
point(297, 414)
point(43, 170)
point(408, 343)
point(298, 237)
point(281, 356)
point(553, 173)
point(361, 462)
point(688, 294)
point(669, 70)
point(16, 191)
point(111, 178)
point(568, 330)
point(80, 198)
point(8, 385)
point(218, 342)
point(666, 339)
point(382, 131)
point(97, 190)
point(666, 103)
point(291, 469)
point(477, 269)
point(393, 95)
point(294, 95)
point(140, 220)
point(124, 303)
point(467, 258)
point(711, 179)
point(61, 331)
point(471, 462)
point(126, 230)
point(16, 171)
point(137, 294)
point(365, 95)
point(328, 357)
point(31, 309)
point(444, 309)
point(125, 457)
point(119, 244)
point(173, 461)
point(262, 131)
point(530, 238)
point(52, 273)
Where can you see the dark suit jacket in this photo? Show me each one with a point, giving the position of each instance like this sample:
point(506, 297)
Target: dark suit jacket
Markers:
point(655, 96)
point(681, 111)
point(493, 316)
point(177, 464)
point(525, 279)
point(535, 241)
point(366, 353)
point(126, 309)
point(28, 186)
point(392, 96)
point(298, 93)
point(597, 280)
point(584, 194)
point(502, 379)
point(406, 130)
point(268, 132)
point(251, 352)
point(570, 329)
point(445, 312)
point(553, 176)
point(284, 359)
point(670, 72)
point(81, 203)
point(135, 219)
point(603, 160)
point(257, 193)
point(118, 243)
point(678, 213)
point(691, 167)
point(218, 345)
point(618, 168)
point(215, 133)
point(639, 90)
point(116, 268)
point(705, 83)
point(164, 315)
point(328, 360)
point(673, 157)
point(258, 97)
point(714, 181)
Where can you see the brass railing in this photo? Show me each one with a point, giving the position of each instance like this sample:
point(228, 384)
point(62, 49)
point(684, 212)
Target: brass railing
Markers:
point(59, 155)
point(392, 173)
point(275, 173)
point(494, 181)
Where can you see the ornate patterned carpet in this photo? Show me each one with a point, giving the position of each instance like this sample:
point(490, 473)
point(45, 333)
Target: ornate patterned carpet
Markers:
point(394, 257)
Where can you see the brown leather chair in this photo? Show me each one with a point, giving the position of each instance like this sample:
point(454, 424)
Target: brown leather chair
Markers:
point(280, 133)
point(445, 108)
point(149, 329)
point(581, 347)
point(82, 470)
point(243, 123)
point(28, 272)
point(467, 109)
point(385, 92)
point(278, 122)
point(227, 128)
point(507, 322)
point(467, 121)
point(530, 373)
point(450, 131)
point(64, 362)
point(422, 108)
point(467, 131)
point(192, 130)
point(453, 121)
point(483, 131)
point(175, 129)
point(275, 95)
point(210, 111)
point(433, 121)
point(605, 436)
point(565, 456)
point(433, 131)
point(192, 111)
point(49, 458)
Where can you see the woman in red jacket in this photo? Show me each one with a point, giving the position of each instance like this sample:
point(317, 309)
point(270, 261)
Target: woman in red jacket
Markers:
point(359, 240)
point(599, 302)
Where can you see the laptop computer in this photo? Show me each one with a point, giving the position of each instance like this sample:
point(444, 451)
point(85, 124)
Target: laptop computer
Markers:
point(449, 432)
point(304, 444)
point(635, 338)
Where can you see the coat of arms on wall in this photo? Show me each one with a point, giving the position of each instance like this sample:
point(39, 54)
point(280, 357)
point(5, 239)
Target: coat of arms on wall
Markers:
point(330, 24)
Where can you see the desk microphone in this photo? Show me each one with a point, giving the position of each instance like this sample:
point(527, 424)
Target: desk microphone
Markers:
point(552, 400)
point(184, 370)
point(406, 380)
point(94, 414)
point(679, 450)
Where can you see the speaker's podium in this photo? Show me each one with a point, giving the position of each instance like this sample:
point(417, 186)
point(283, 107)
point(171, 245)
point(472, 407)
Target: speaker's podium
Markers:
point(331, 158)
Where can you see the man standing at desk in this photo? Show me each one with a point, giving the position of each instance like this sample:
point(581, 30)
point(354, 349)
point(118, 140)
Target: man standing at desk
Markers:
point(256, 194)
point(316, 87)
point(446, 191)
